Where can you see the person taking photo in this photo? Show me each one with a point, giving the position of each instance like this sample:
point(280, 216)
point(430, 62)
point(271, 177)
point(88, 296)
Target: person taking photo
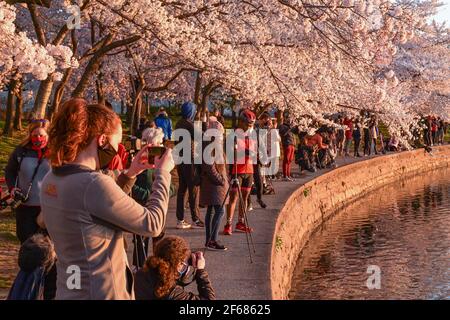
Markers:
point(26, 168)
point(172, 267)
point(86, 211)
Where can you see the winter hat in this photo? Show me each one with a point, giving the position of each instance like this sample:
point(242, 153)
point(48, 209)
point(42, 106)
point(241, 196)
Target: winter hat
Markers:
point(188, 110)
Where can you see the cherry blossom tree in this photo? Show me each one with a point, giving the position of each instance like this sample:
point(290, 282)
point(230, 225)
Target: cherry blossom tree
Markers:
point(307, 56)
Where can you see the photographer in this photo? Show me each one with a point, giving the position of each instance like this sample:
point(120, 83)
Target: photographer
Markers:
point(169, 270)
point(188, 173)
point(305, 157)
point(86, 212)
point(242, 169)
point(27, 166)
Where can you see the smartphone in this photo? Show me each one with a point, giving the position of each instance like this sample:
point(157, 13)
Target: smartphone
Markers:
point(155, 152)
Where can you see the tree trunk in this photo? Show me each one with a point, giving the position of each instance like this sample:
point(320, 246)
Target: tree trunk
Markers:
point(147, 106)
point(132, 109)
point(279, 116)
point(8, 129)
point(100, 96)
point(204, 102)
point(42, 97)
point(198, 87)
point(19, 109)
point(59, 92)
point(137, 113)
point(122, 107)
point(94, 64)
point(233, 113)
point(91, 69)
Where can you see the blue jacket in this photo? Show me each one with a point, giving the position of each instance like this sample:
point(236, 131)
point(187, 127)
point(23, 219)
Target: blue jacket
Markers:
point(162, 121)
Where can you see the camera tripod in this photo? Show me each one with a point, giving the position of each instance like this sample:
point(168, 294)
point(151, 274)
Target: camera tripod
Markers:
point(234, 183)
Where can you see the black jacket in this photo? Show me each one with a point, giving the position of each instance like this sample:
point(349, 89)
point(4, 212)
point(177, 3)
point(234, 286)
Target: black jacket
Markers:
point(286, 134)
point(145, 286)
point(189, 126)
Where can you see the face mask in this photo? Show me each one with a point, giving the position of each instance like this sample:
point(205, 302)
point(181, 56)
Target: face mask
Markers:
point(186, 275)
point(105, 155)
point(38, 142)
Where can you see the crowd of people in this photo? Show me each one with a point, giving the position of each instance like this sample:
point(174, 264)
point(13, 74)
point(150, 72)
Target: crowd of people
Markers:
point(77, 191)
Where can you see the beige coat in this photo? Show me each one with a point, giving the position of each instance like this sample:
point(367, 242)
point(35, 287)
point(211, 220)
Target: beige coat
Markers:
point(86, 213)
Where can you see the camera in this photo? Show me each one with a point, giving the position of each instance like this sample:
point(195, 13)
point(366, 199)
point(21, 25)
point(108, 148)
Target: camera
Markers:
point(13, 202)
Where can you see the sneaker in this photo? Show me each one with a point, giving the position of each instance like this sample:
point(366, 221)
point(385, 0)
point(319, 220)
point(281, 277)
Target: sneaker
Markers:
point(197, 224)
point(250, 207)
point(216, 246)
point(227, 230)
point(261, 203)
point(183, 225)
point(241, 227)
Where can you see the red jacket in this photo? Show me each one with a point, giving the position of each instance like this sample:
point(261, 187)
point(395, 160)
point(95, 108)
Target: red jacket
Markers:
point(349, 130)
point(245, 148)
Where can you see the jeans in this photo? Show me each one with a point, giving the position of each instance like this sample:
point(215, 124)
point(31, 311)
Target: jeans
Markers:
point(356, 146)
point(373, 146)
point(348, 143)
point(212, 227)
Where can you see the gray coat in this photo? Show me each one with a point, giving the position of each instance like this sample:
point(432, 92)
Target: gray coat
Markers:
point(21, 165)
point(86, 213)
point(214, 184)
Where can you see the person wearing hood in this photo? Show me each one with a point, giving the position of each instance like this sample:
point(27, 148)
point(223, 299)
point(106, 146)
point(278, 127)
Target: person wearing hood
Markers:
point(36, 261)
point(26, 168)
point(163, 121)
point(187, 172)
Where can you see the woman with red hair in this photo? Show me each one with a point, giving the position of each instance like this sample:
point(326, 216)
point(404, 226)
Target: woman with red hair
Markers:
point(86, 211)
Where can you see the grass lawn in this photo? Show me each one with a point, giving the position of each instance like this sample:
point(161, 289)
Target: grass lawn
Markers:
point(7, 145)
point(9, 249)
point(9, 245)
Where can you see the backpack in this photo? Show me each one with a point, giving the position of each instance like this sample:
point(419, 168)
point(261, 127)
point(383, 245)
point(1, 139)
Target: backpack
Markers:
point(28, 285)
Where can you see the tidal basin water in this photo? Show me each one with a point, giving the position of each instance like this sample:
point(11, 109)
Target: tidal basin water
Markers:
point(403, 229)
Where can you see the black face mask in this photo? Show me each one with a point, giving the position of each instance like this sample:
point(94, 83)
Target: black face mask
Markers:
point(105, 155)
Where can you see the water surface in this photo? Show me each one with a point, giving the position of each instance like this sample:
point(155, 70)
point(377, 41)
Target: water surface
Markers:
point(402, 228)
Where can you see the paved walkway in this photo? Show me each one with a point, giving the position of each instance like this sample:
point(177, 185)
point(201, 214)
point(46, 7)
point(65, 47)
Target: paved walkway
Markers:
point(232, 275)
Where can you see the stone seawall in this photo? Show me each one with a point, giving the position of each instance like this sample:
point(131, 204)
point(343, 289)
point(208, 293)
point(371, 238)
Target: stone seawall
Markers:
point(315, 201)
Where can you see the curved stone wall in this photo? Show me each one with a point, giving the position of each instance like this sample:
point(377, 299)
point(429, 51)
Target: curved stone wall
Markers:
point(311, 204)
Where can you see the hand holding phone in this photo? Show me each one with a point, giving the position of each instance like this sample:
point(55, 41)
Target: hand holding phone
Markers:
point(165, 162)
point(154, 151)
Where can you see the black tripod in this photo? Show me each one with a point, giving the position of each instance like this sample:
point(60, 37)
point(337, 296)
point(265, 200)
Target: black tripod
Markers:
point(234, 183)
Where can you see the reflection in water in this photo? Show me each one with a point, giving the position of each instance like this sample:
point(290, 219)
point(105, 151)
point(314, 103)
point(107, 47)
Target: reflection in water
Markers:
point(402, 228)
